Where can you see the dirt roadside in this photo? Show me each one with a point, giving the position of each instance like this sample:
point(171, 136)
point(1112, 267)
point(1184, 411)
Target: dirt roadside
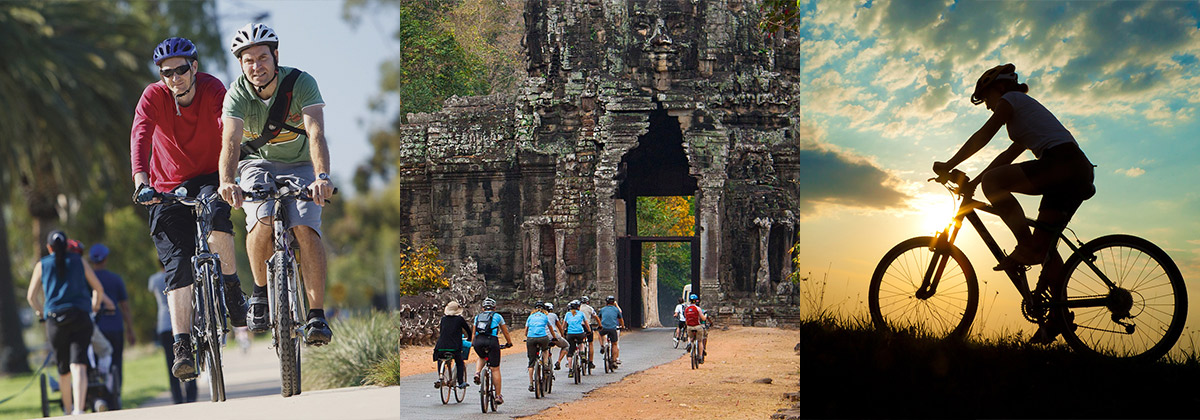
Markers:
point(724, 387)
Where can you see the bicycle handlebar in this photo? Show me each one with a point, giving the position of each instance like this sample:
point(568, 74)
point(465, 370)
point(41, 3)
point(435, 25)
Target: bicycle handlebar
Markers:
point(956, 181)
point(285, 186)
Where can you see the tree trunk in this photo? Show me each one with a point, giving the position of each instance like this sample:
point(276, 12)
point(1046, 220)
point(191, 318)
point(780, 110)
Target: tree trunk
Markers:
point(14, 357)
point(650, 290)
point(41, 198)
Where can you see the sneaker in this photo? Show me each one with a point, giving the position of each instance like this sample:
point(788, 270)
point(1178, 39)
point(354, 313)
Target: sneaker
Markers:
point(258, 321)
point(688, 348)
point(437, 384)
point(591, 365)
point(317, 332)
point(499, 399)
point(235, 302)
point(463, 385)
point(100, 406)
point(530, 387)
point(557, 366)
point(184, 368)
point(476, 379)
point(570, 374)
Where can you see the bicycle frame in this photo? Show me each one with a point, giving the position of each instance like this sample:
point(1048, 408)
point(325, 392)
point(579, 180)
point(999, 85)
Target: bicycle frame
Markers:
point(968, 209)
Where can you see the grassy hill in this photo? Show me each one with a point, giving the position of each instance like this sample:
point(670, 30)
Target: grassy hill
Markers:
point(850, 370)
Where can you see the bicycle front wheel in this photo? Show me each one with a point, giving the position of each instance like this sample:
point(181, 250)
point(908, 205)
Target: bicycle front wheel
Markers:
point(287, 339)
point(1140, 319)
point(894, 301)
point(212, 304)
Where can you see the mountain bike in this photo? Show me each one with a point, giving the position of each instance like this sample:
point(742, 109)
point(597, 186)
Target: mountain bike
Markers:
point(1116, 296)
point(542, 378)
point(209, 324)
point(448, 378)
point(576, 371)
point(610, 363)
point(680, 335)
point(286, 302)
point(487, 389)
point(547, 373)
point(587, 359)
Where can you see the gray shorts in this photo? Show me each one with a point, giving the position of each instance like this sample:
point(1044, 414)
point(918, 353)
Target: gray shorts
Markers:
point(256, 172)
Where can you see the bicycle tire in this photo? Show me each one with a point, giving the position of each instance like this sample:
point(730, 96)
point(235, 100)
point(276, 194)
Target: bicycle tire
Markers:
point(676, 339)
point(892, 298)
point(286, 342)
point(485, 383)
point(695, 352)
point(216, 373)
point(446, 370)
point(1157, 292)
point(459, 392)
point(549, 376)
point(537, 380)
point(576, 372)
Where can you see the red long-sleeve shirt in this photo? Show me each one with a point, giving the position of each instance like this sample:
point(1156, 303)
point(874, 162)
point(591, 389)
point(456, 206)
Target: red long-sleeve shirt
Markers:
point(175, 146)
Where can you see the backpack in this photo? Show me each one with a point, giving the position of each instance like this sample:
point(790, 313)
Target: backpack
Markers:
point(691, 315)
point(484, 327)
point(276, 116)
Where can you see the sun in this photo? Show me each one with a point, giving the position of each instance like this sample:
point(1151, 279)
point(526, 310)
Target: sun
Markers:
point(932, 211)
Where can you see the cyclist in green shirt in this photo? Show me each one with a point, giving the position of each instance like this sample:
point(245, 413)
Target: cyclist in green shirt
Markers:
point(299, 149)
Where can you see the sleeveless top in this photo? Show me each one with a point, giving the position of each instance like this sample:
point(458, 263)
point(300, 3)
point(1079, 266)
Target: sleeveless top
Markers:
point(68, 291)
point(1033, 126)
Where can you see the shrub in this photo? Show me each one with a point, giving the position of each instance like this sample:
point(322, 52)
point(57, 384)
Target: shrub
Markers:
point(361, 342)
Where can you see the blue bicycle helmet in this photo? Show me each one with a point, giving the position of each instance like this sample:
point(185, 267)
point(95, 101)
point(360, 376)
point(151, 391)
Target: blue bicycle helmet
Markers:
point(174, 47)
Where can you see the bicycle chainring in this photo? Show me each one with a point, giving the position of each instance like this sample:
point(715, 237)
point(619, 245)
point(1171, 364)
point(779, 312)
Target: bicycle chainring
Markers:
point(1035, 308)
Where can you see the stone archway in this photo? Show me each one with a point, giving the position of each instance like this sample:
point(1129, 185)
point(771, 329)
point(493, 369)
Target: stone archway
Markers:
point(657, 167)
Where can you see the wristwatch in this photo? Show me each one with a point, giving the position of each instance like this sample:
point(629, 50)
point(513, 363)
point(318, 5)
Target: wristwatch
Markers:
point(323, 176)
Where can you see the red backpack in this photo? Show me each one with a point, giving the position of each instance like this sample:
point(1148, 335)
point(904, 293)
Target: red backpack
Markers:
point(691, 315)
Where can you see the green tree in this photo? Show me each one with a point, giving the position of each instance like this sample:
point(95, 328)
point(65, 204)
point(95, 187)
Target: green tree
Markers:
point(447, 48)
point(74, 69)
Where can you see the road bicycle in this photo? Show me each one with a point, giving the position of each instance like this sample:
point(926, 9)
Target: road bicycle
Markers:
point(448, 378)
point(697, 346)
point(487, 389)
point(286, 300)
point(209, 323)
point(1118, 296)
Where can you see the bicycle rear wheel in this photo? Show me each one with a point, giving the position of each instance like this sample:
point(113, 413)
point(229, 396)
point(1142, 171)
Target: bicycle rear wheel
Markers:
point(695, 356)
point(485, 391)
point(1141, 319)
point(893, 300)
point(447, 372)
point(549, 374)
point(287, 341)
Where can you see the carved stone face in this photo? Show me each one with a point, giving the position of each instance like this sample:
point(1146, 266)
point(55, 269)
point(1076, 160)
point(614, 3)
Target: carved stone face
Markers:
point(665, 35)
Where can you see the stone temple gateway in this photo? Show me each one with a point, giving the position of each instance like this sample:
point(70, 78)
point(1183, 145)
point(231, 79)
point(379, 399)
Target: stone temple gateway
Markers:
point(624, 98)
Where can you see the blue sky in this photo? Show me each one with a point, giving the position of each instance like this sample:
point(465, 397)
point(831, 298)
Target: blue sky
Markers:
point(886, 95)
point(342, 57)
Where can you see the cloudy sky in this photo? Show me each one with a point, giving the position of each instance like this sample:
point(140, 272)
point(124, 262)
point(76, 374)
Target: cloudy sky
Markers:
point(887, 94)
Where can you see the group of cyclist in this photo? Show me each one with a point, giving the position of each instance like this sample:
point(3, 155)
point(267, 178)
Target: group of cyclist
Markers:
point(190, 133)
point(543, 330)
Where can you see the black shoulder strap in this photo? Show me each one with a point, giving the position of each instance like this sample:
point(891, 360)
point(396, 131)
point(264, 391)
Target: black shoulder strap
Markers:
point(276, 116)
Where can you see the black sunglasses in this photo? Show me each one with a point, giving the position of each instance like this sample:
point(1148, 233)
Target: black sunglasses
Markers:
point(177, 71)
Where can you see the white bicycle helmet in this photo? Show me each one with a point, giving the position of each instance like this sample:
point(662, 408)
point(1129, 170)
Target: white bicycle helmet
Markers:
point(253, 34)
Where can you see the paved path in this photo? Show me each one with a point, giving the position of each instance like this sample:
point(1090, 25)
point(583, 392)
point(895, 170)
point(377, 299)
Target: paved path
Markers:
point(252, 386)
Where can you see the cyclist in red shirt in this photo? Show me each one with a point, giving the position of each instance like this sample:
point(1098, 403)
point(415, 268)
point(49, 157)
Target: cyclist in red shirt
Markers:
point(175, 142)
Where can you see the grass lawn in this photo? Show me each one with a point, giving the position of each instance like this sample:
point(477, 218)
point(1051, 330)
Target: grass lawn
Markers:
point(145, 377)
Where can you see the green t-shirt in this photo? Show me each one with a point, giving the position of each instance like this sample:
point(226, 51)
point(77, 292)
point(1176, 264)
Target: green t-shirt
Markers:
point(242, 102)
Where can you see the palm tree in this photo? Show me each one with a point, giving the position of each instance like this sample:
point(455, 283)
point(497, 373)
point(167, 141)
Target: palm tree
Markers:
point(70, 75)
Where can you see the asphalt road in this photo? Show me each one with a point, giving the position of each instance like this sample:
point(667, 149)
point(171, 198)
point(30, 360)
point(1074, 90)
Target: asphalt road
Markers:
point(252, 388)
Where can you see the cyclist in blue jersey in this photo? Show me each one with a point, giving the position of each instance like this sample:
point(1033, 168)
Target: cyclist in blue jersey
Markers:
point(537, 336)
point(577, 330)
point(487, 344)
point(610, 321)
